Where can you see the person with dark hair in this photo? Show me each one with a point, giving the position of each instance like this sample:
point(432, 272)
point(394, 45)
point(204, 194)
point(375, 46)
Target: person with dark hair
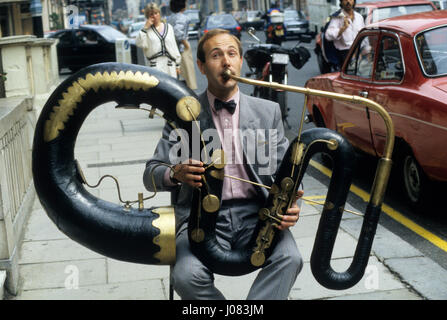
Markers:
point(180, 22)
point(157, 40)
point(229, 114)
point(343, 28)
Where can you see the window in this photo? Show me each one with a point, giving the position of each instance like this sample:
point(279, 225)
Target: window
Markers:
point(389, 12)
point(363, 11)
point(64, 38)
point(432, 50)
point(86, 37)
point(362, 60)
point(389, 60)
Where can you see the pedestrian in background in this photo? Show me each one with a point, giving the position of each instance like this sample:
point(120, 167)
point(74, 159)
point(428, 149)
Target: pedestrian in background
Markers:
point(343, 28)
point(158, 42)
point(180, 22)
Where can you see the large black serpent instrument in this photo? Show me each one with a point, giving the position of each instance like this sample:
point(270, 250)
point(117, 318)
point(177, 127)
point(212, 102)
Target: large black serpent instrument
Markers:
point(148, 235)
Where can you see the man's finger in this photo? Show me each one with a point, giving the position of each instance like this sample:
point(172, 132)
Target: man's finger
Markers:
point(193, 177)
point(193, 162)
point(195, 169)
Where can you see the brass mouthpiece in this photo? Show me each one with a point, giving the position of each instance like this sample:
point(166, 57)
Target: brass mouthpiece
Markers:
point(227, 74)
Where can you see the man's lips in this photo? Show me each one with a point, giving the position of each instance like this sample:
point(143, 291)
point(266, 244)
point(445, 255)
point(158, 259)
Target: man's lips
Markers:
point(224, 74)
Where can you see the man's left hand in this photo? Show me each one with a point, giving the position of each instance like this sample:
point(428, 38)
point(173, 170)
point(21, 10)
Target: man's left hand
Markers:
point(292, 214)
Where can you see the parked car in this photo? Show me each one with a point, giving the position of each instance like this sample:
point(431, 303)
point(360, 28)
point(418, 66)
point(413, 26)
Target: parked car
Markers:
point(377, 10)
point(252, 19)
point(222, 21)
point(296, 23)
point(373, 12)
point(134, 28)
point(88, 44)
point(194, 24)
point(400, 63)
point(237, 15)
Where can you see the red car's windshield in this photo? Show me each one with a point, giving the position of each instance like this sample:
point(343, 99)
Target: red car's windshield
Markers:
point(382, 13)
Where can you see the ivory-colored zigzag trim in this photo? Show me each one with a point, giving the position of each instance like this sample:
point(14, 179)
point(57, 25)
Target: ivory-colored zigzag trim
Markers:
point(106, 81)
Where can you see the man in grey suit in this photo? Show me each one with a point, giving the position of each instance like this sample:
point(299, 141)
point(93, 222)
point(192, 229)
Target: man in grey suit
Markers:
point(235, 118)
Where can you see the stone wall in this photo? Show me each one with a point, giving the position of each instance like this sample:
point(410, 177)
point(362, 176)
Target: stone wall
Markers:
point(32, 74)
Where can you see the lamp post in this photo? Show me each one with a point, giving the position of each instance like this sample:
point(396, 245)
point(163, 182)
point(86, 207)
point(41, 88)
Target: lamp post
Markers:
point(36, 13)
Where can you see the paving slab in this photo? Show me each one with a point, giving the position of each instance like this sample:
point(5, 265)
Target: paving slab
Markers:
point(422, 274)
point(120, 271)
point(386, 244)
point(136, 290)
point(399, 294)
point(377, 279)
point(54, 251)
point(66, 274)
point(40, 227)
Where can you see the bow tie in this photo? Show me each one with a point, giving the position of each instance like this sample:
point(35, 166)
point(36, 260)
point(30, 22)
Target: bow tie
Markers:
point(230, 105)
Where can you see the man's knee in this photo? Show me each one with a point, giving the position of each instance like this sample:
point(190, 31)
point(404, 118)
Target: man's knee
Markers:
point(186, 281)
point(296, 261)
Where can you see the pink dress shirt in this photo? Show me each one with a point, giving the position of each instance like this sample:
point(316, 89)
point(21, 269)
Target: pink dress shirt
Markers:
point(227, 126)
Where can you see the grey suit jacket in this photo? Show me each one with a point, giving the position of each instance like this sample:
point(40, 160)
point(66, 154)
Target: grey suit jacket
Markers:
point(262, 139)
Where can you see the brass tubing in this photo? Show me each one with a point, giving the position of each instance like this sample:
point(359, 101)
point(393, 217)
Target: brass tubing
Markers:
point(337, 96)
point(384, 167)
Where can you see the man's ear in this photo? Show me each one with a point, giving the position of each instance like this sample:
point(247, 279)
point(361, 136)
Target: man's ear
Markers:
point(200, 64)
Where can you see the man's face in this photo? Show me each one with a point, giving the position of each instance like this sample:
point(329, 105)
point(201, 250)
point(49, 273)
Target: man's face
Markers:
point(221, 53)
point(347, 4)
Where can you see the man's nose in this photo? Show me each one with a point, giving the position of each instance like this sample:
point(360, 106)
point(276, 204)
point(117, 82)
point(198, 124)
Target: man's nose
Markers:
point(226, 60)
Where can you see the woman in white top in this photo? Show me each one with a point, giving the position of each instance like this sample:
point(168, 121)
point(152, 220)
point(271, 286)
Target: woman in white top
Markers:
point(158, 42)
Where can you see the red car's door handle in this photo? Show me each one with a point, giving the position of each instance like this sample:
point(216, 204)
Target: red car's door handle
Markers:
point(363, 94)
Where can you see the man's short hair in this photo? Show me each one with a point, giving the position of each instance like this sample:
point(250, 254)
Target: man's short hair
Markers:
point(342, 1)
point(210, 34)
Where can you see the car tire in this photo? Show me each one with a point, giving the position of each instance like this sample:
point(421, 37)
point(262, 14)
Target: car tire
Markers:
point(415, 184)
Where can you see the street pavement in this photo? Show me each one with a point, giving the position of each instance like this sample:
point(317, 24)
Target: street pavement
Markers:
point(118, 142)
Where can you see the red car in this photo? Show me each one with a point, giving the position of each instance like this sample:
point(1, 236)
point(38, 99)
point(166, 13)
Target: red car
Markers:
point(375, 11)
point(400, 63)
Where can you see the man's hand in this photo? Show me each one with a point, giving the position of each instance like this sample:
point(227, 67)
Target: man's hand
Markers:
point(292, 214)
point(190, 172)
point(344, 26)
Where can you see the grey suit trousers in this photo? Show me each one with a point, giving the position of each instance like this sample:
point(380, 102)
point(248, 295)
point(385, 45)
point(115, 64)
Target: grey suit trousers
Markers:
point(235, 224)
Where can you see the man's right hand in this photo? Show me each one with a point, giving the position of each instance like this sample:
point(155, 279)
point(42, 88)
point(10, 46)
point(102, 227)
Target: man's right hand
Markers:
point(344, 26)
point(190, 172)
point(346, 22)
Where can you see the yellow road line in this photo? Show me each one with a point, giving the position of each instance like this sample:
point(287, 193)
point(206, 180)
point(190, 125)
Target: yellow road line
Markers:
point(315, 197)
point(424, 233)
